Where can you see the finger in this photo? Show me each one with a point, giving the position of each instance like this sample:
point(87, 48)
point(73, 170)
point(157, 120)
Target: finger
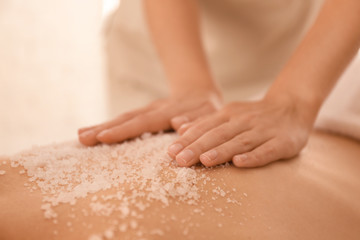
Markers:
point(213, 138)
point(88, 136)
point(183, 128)
point(193, 133)
point(81, 130)
point(242, 143)
point(266, 153)
point(148, 122)
point(178, 121)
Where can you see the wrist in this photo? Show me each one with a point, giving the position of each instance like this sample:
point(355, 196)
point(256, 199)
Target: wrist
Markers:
point(304, 106)
point(197, 87)
point(199, 92)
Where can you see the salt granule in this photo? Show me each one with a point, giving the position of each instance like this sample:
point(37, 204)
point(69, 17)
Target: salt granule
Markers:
point(2, 172)
point(123, 227)
point(157, 232)
point(218, 210)
point(95, 237)
point(109, 234)
point(66, 172)
point(133, 224)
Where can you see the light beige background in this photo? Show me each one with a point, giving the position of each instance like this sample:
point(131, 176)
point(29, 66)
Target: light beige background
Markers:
point(51, 75)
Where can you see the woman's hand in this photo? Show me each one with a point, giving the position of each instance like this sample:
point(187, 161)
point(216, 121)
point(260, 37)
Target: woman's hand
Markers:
point(160, 115)
point(251, 134)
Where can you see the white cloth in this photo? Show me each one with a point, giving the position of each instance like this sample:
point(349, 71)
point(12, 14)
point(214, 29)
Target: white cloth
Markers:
point(341, 111)
point(246, 41)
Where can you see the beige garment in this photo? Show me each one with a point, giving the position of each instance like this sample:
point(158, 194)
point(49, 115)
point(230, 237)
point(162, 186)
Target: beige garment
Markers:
point(341, 111)
point(246, 41)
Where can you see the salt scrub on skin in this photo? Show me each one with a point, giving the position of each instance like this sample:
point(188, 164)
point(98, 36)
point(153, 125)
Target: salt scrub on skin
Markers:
point(66, 172)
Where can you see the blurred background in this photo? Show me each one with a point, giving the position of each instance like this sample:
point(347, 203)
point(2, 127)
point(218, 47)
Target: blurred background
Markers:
point(51, 70)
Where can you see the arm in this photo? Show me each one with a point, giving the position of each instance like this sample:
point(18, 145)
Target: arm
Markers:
point(256, 133)
point(193, 93)
point(322, 56)
point(175, 29)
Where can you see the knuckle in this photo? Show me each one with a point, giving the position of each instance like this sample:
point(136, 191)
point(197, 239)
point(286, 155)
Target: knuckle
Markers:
point(199, 146)
point(251, 118)
point(185, 140)
point(245, 142)
point(257, 159)
point(225, 115)
point(220, 134)
point(290, 146)
point(196, 130)
point(271, 150)
point(125, 115)
point(208, 106)
point(143, 122)
point(183, 128)
point(178, 121)
point(142, 117)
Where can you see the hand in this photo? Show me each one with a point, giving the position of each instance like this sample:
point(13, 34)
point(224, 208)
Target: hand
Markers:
point(160, 115)
point(251, 134)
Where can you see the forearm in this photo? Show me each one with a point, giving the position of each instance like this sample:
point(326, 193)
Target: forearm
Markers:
point(174, 26)
point(322, 56)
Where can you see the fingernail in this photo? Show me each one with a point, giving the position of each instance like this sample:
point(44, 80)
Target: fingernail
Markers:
point(240, 158)
point(175, 149)
point(182, 128)
point(185, 156)
point(102, 133)
point(87, 133)
point(209, 156)
point(82, 129)
point(178, 121)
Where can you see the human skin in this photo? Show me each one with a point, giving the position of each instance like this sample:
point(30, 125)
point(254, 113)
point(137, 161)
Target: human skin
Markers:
point(251, 134)
point(312, 196)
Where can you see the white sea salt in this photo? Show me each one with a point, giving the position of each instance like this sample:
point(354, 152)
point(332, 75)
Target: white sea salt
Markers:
point(186, 231)
point(109, 234)
point(133, 224)
point(218, 210)
point(2, 172)
point(197, 210)
point(157, 232)
point(95, 237)
point(139, 172)
point(123, 227)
